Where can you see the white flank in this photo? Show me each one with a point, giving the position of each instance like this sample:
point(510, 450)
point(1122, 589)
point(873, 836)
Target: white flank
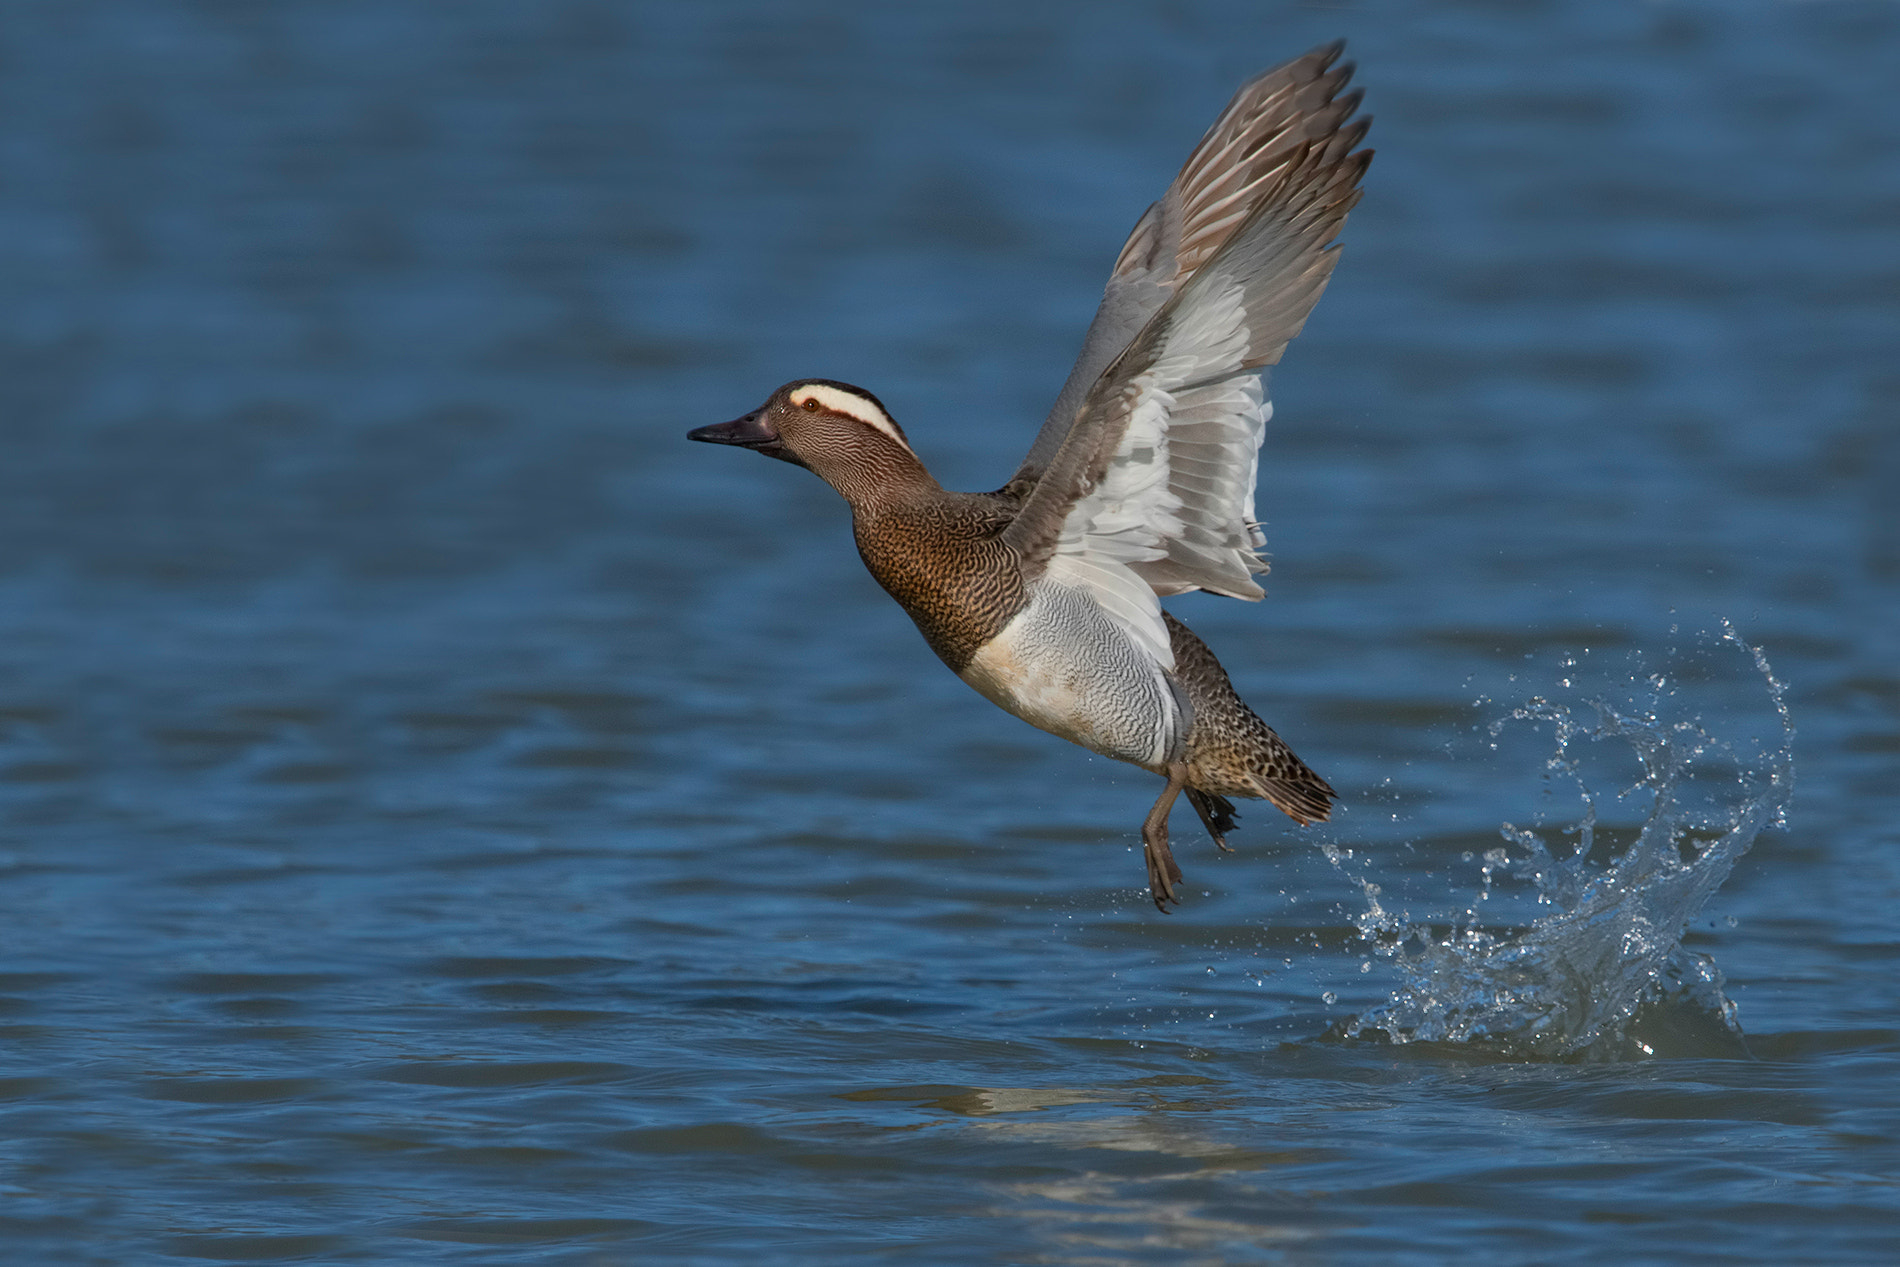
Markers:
point(1070, 667)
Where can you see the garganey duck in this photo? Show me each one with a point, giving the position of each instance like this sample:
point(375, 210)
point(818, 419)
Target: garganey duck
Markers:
point(1042, 595)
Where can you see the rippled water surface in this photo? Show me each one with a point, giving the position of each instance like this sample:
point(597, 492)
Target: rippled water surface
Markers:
point(448, 818)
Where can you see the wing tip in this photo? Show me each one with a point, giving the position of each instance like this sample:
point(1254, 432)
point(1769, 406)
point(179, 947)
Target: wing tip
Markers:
point(1326, 54)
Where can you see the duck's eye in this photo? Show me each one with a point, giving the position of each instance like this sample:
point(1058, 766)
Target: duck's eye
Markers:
point(811, 404)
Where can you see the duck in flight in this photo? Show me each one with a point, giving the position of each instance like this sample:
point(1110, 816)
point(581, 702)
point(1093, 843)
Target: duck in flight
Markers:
point(1043, 594)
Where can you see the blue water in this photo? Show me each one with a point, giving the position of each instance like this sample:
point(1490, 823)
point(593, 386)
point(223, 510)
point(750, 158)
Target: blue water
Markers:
point(445, 817)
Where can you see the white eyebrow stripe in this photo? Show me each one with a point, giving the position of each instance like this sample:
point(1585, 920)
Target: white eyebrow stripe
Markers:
point(851, 406)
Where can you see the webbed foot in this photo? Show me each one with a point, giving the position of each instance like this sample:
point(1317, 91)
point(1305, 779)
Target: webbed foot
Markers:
point(1217, 815)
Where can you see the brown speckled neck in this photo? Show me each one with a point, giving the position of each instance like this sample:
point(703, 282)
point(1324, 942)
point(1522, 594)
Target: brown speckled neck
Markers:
point(940, 554)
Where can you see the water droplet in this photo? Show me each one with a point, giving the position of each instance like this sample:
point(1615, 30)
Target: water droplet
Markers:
point(1329, 998)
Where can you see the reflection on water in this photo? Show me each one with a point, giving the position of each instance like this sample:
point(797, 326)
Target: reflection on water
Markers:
point(1092, 1217)
point(1573, 982)
point(1157, 1202)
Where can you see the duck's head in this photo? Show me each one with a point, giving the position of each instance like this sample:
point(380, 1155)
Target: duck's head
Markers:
point(842, 433)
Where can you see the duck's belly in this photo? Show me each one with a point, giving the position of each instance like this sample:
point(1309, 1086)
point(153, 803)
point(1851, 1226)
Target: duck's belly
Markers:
point(1063, 666)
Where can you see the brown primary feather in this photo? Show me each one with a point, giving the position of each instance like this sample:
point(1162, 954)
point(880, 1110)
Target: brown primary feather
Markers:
point(1260, 132)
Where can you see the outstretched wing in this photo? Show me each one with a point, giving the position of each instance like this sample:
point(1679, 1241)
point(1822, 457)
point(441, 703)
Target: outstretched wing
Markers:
point(1264, 128)
point(1151, 489)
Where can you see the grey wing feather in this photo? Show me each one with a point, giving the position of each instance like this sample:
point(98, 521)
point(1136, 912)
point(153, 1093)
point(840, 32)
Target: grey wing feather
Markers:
point(1264, 127)
point(1156, 476)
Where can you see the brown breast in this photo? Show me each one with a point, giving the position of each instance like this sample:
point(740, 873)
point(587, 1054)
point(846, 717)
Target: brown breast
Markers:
point(942, 558)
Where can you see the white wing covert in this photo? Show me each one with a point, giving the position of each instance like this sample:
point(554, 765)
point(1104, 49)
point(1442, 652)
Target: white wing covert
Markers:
point(1264, 128)
point(1151, 490)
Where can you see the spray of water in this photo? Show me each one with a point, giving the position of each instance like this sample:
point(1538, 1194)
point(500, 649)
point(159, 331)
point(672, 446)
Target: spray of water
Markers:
point(1581, 981)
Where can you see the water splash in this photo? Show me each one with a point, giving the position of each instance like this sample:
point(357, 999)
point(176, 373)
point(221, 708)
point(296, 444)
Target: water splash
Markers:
point(1597, 978)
